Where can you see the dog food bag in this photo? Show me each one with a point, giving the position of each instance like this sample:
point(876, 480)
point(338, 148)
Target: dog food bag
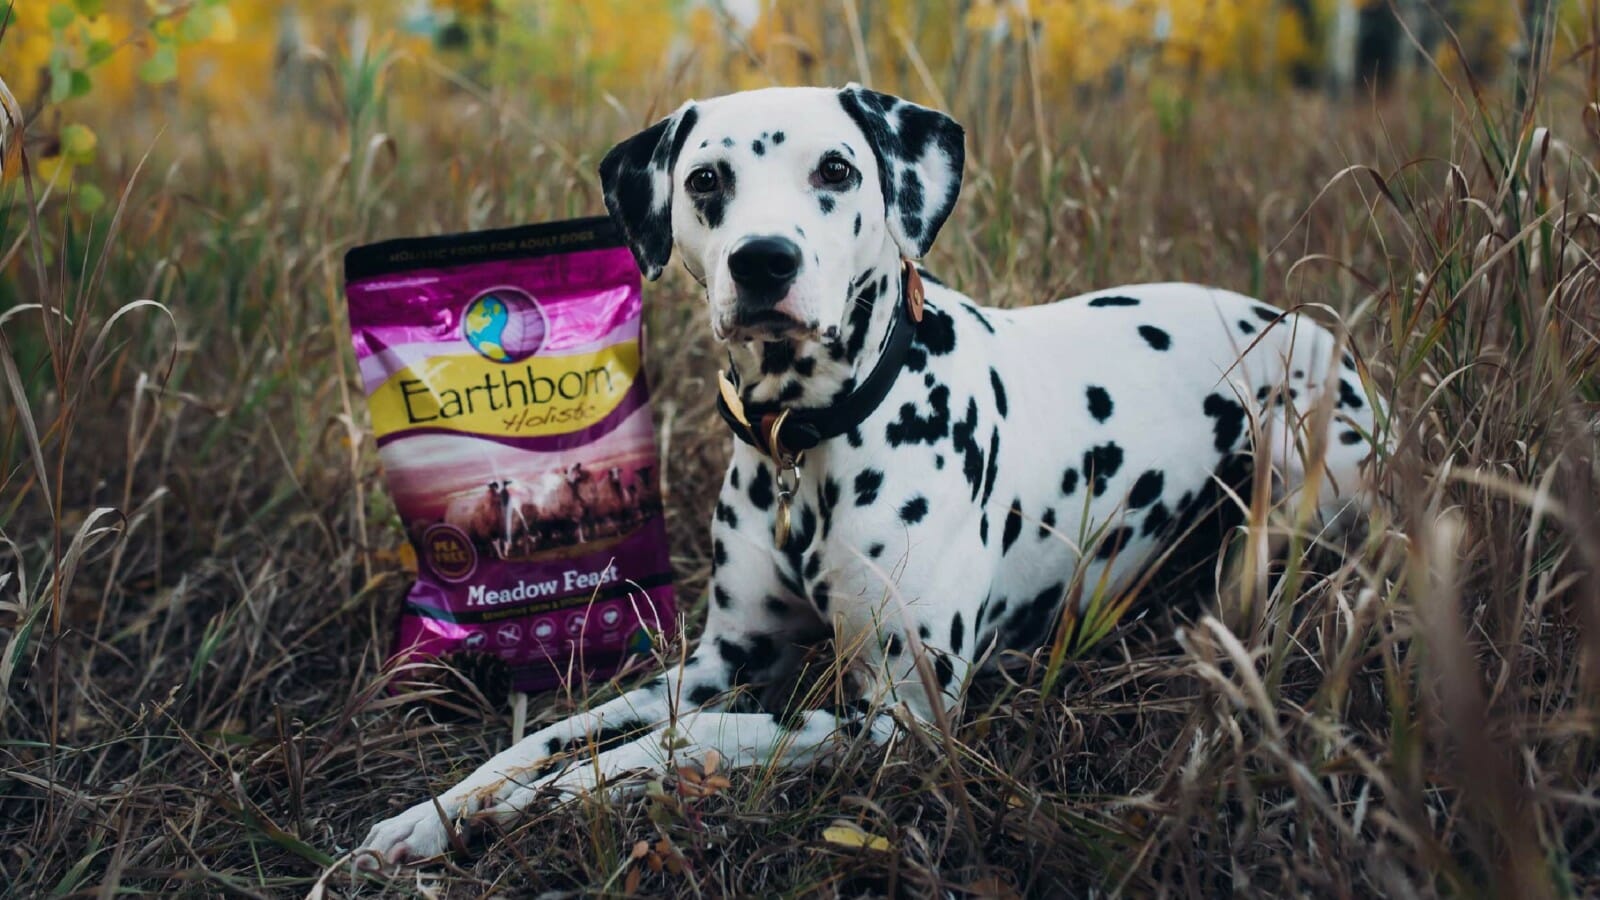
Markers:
point(503, 375)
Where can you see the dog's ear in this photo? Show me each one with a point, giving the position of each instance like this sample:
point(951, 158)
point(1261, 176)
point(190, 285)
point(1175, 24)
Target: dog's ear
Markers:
point(920, 153)
point(636, 177)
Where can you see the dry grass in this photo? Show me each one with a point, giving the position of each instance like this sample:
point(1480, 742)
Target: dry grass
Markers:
point(199, 572)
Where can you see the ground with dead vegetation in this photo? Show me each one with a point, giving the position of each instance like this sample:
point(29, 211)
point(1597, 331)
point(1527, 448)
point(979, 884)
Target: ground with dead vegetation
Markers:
point(200, 570)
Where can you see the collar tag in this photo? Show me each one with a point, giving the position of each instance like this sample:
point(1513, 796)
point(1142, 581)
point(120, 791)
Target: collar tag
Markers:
point(730, 397)
point(914, 290)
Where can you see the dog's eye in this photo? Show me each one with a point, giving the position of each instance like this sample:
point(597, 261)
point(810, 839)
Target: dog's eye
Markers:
point(835, 171)
point(702, 180)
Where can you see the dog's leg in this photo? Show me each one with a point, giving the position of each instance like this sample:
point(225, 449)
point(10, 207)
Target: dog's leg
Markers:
point(742, 740)
point(753, 629)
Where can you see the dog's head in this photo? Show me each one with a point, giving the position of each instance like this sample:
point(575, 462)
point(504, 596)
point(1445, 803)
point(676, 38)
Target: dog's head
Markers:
point(778, 198)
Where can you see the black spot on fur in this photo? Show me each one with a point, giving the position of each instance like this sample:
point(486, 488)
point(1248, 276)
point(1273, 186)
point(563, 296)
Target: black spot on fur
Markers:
point(776, 357)
point(1155, 520)
point(1266, 313)
point(1155, 337)
point(958, 633)
point(1349, 436)
point(820, 595)
point(777, 137)
point(791, 391)
point(604, 739)
point(1229, 424)
point(914, 509)
point(944, 669)
point(983, 529)
point(923, 631)
point(999, 392)
point(982, 319)
point(963, 435)
point(703, 694)
point(733, 478)
point(1099, 402)
point(1348, 360)
point(813, 565)
point(867, 483)
point(1114, 301)
point(790, 718)
point(1348, 396)
point(993, 468)
point(1013, 527)
point(895, 645)
point(864, 295)
point(806, 366)
point(1047, 521)
point(856, 228)
point(875, 551)
point(1114, 542)
point(1025, 625)
point(936, 331)
point(826, 202)
point(1100, 465)
point(761, 496)
point(1146, 490)
point(912, 428)
point(759, 148)
point(826, 502)
point(726, 515)
point(916, 359)
point(719, 553)
point(1069, 481)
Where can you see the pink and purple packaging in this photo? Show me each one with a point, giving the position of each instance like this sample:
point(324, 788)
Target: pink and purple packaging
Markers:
point(502, 370)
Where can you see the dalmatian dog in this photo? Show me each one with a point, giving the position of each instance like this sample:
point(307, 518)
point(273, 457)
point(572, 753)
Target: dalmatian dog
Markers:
point(926, 480)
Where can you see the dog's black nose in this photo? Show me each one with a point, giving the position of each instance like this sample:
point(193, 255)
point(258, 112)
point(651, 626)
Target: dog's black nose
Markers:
point(765, 265)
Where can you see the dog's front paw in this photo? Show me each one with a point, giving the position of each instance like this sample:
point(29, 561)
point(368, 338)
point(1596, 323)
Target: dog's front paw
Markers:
point(417, 833)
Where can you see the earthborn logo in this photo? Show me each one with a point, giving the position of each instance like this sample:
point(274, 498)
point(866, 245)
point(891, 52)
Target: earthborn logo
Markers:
point(504, 324)
point(507, 383)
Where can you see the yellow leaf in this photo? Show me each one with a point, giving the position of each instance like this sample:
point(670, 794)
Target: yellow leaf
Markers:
point(223, 29)
point(78, 143)
point(57, 169)
point(851, 836)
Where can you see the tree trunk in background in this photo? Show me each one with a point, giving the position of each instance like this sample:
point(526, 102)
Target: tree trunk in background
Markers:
point(1378, 45)
point(1532, 47)
point(1341, 48)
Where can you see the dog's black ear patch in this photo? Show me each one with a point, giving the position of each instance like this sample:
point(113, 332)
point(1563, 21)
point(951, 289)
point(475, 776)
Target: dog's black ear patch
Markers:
point(636, 178)
point(920, 155)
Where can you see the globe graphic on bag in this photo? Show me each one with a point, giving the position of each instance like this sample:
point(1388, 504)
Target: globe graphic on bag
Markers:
point(504, 325)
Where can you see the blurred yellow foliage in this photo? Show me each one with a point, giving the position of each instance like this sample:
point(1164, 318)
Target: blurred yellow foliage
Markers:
point(230, 57)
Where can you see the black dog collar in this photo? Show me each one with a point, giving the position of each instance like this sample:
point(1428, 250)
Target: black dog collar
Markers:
point(784, 434)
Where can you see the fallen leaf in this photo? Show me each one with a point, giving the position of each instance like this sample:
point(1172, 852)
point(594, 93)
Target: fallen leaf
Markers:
point(851, 836)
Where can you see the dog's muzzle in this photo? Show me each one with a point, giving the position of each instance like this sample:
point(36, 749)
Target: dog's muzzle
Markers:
point(763, 269)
